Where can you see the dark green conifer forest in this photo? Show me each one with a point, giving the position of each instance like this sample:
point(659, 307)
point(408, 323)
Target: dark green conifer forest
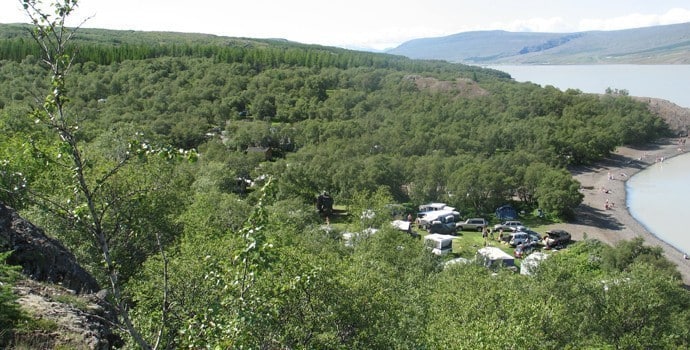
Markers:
point(182, 171)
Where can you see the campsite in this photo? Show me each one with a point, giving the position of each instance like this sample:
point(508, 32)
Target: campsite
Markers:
point(489, 247)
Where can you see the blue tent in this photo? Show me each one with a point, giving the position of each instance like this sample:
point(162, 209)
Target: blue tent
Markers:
point(506, 212)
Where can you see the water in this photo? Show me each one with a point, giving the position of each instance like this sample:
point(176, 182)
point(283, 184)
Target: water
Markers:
point(669, 82)
point(656, 196)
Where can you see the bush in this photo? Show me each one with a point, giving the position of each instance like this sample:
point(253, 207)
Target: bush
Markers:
point(9, 308)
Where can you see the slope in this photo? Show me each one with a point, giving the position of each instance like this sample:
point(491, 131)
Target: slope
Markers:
point(669, 44)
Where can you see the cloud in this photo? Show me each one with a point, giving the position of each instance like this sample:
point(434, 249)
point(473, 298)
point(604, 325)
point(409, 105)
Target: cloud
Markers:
point(635, 20)
point(552, 24)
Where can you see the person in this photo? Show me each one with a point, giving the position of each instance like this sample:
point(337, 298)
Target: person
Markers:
point(409, 217)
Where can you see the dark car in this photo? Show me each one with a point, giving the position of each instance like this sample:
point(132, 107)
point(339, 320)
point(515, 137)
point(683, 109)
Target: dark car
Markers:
point(524, 249)
point(533, 235)
point(447, 228)
point(556, 239)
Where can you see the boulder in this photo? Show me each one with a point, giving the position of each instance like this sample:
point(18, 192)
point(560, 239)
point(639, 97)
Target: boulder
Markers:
point(42, 258)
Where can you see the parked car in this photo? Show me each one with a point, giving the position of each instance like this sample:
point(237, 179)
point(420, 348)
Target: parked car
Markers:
point(444, 228)
point(556, 239)
point(533, 235)
point(508, 226)
point(474, 224)
point(522, 250)
point(518, 238)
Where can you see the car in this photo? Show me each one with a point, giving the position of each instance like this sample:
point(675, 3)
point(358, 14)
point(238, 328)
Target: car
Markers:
point(522, 250)
point(519, 237)
point(511, 225)
point(444, 228)
point(556, 239)
point(533, 235)
point(474, 224)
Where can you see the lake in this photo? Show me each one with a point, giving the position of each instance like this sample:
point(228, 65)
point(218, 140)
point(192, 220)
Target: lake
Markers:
point(656, 196)
point(669, 82)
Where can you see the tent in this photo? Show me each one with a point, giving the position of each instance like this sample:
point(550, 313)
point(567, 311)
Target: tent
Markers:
point(494, 257)
point(531, 262)
point(506, 212)
point(456, 261)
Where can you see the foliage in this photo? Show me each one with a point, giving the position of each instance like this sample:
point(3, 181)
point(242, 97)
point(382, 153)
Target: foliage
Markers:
point(571, 302)
point(9, 308)
point(205, 255)
point(626, 254)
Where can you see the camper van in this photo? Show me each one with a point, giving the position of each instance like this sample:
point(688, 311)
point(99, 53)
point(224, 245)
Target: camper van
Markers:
point(434, 207)
point(439, 244)
point(425, 219)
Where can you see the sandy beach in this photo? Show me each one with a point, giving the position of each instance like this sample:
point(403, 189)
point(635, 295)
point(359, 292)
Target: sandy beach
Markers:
point(606, 181)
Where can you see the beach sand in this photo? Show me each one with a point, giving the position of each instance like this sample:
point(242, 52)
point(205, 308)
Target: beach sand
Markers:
point(612, 225)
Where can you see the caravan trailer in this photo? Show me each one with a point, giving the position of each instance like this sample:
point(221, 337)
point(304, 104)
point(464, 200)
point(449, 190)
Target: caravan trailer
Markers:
point(439, 244)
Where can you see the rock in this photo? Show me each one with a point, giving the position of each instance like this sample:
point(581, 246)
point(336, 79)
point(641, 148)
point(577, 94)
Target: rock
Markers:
point(57, 289)
point(82, 321)
point(41, 257)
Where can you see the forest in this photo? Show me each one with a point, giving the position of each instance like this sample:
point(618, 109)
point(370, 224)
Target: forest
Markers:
point(182, 170)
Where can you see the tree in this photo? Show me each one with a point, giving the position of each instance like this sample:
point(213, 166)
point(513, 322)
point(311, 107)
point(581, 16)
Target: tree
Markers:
point(558, 193)
point(369, 209)
point(95, 200)
point(625, 254)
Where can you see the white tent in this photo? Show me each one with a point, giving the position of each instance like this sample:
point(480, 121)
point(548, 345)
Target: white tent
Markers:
point(456, 261)
point(402, 225)
point(351, 238)
point(494, 257)
point(530, 262)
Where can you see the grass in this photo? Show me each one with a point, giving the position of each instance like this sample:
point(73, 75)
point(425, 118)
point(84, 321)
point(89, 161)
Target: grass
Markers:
point(40, 333)
point(72, 300)
point(467, 243)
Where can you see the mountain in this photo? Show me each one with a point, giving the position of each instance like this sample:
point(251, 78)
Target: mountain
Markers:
point(668, 44)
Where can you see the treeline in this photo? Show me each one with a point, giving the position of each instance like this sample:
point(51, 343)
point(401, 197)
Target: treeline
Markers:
point(430, 132)
point(16, 44)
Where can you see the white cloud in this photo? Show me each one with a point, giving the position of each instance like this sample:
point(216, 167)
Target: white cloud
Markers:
point(676, 15)
point(552, 24)
point(635, 20)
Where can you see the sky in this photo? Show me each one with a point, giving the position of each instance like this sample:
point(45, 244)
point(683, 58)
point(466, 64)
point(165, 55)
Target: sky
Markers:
point(364, 24)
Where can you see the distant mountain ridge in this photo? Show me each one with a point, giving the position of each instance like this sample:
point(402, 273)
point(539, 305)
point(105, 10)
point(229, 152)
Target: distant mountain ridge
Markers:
point(667, 44)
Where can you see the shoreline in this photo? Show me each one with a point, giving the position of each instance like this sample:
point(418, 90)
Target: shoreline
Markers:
point(592, 218)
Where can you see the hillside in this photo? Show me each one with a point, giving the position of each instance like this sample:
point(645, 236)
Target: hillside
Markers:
point(669, 44)
point(182, 175)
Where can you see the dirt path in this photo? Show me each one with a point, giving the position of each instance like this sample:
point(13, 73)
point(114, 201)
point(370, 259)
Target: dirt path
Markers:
point(615, 224)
